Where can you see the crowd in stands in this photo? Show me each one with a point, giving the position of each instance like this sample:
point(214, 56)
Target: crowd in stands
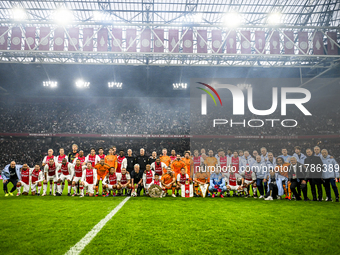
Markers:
point(150, 116)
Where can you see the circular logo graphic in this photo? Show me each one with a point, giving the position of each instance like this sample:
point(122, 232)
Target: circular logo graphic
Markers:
point(187, 43)
point(158, 43)
point(187, 191)
point(44, 42)
point(245, 44)
point(303, 45)
point(58, 41)
point(216, 44)
point(30, 40)
point(75, 41)
point(116, 42)
point(289, 45)
point(16, 40)
point(145, 43)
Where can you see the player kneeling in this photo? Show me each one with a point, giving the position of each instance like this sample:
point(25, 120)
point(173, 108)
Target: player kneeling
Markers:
point(37, 177)
point(201, 182)
point(168, 181)
point(124, 182)
point(110, 182)
point(25, 180)
point(232, 178)
point(148, 177)
point(249, 178)
point(217, 183)
point(158, 182)
point(89, 180)
point(182, 178)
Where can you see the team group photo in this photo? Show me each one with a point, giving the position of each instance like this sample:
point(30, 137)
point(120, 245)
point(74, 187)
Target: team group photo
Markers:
point(169, 127)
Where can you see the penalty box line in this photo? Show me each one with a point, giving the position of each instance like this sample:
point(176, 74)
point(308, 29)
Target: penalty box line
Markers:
point(77, 249)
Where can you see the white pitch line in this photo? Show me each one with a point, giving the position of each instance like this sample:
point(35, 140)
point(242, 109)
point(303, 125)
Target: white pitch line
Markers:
point(90, 235)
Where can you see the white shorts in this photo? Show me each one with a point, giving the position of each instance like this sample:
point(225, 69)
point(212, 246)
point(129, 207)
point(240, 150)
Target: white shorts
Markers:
point(247, 182)
point(147, 186)
point(64, 177)
point(76, 179)
point(235, 188)
point(26, 187)
point(34, 187)
point(110, 187)
point(52, 178)
point(89, 187)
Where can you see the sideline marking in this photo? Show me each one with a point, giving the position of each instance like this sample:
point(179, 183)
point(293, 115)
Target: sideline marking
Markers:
point(78, 247)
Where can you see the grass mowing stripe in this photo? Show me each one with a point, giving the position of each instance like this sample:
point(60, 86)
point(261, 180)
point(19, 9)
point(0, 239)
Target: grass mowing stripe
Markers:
point(89, 236)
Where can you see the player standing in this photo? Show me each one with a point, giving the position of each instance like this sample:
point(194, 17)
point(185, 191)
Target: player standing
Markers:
point(66, 174)
point(48, 157)
point(102, 171)
point(51, 175)
point(121, 161)
point(165, 158)
point(59, 160)
point(101, 154)
point(92, 157)
point(78, 174)
point(111, 159)
point(158, 167)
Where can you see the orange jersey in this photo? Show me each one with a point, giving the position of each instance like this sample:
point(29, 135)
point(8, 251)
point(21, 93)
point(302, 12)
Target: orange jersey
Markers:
point(210, 161)
point(282, 170)
point(165, 159)
point(187, 162)
point(102, 169)
point(176, 166)
point(111, 160)
point(202, 177)
point(167, 178)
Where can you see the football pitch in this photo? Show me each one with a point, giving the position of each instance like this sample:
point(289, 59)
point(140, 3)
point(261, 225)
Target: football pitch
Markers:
point(143, 225)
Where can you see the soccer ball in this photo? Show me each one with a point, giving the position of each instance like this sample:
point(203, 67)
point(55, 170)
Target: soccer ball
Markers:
point(133, 194)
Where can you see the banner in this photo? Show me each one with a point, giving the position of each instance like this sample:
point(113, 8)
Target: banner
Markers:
point(260, 42)
point(145, 40)
point(73, 41)
point(231, 42)
point(102, 38)
point(16, 38)
point(173, 40)
point(117, 39)
point(303, 42)
point(216, 39)
point(318, 46)
point(87, 39)
point(30, 38)
point(245, 42)
point(187, 190)
point(202, 38)
point(275, 43)
point(289, 42)
point(44, 43)
point(188, 41)
point(58, 39)
point(130, 40)
point(332, 49)
point(3, 38)
point(158, 39)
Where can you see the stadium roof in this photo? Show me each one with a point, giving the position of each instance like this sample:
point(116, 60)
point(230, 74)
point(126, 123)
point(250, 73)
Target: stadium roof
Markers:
point(254, 12)
point(296, 15)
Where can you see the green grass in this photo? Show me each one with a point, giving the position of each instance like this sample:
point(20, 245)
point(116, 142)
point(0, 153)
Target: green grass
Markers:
point(52, 225)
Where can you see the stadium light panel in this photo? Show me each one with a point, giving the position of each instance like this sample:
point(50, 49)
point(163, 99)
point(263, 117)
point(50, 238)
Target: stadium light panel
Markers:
point(51, 84)
point(115, 85)
point(232, 19)
point(82, 84)
point(274, 18)
point(18, 13)
point(179, 86)
point(63, 16)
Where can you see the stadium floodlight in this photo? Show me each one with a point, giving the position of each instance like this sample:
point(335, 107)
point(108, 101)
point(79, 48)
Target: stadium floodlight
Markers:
point(98, 16)
point(179, 86)
point(18, 13)
point(63, 16)
point(82, 84)
point(244, 86)
point(198, 17)
point(51, 84)
point(232, 19)
point(274, 18)
point(115, 85)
